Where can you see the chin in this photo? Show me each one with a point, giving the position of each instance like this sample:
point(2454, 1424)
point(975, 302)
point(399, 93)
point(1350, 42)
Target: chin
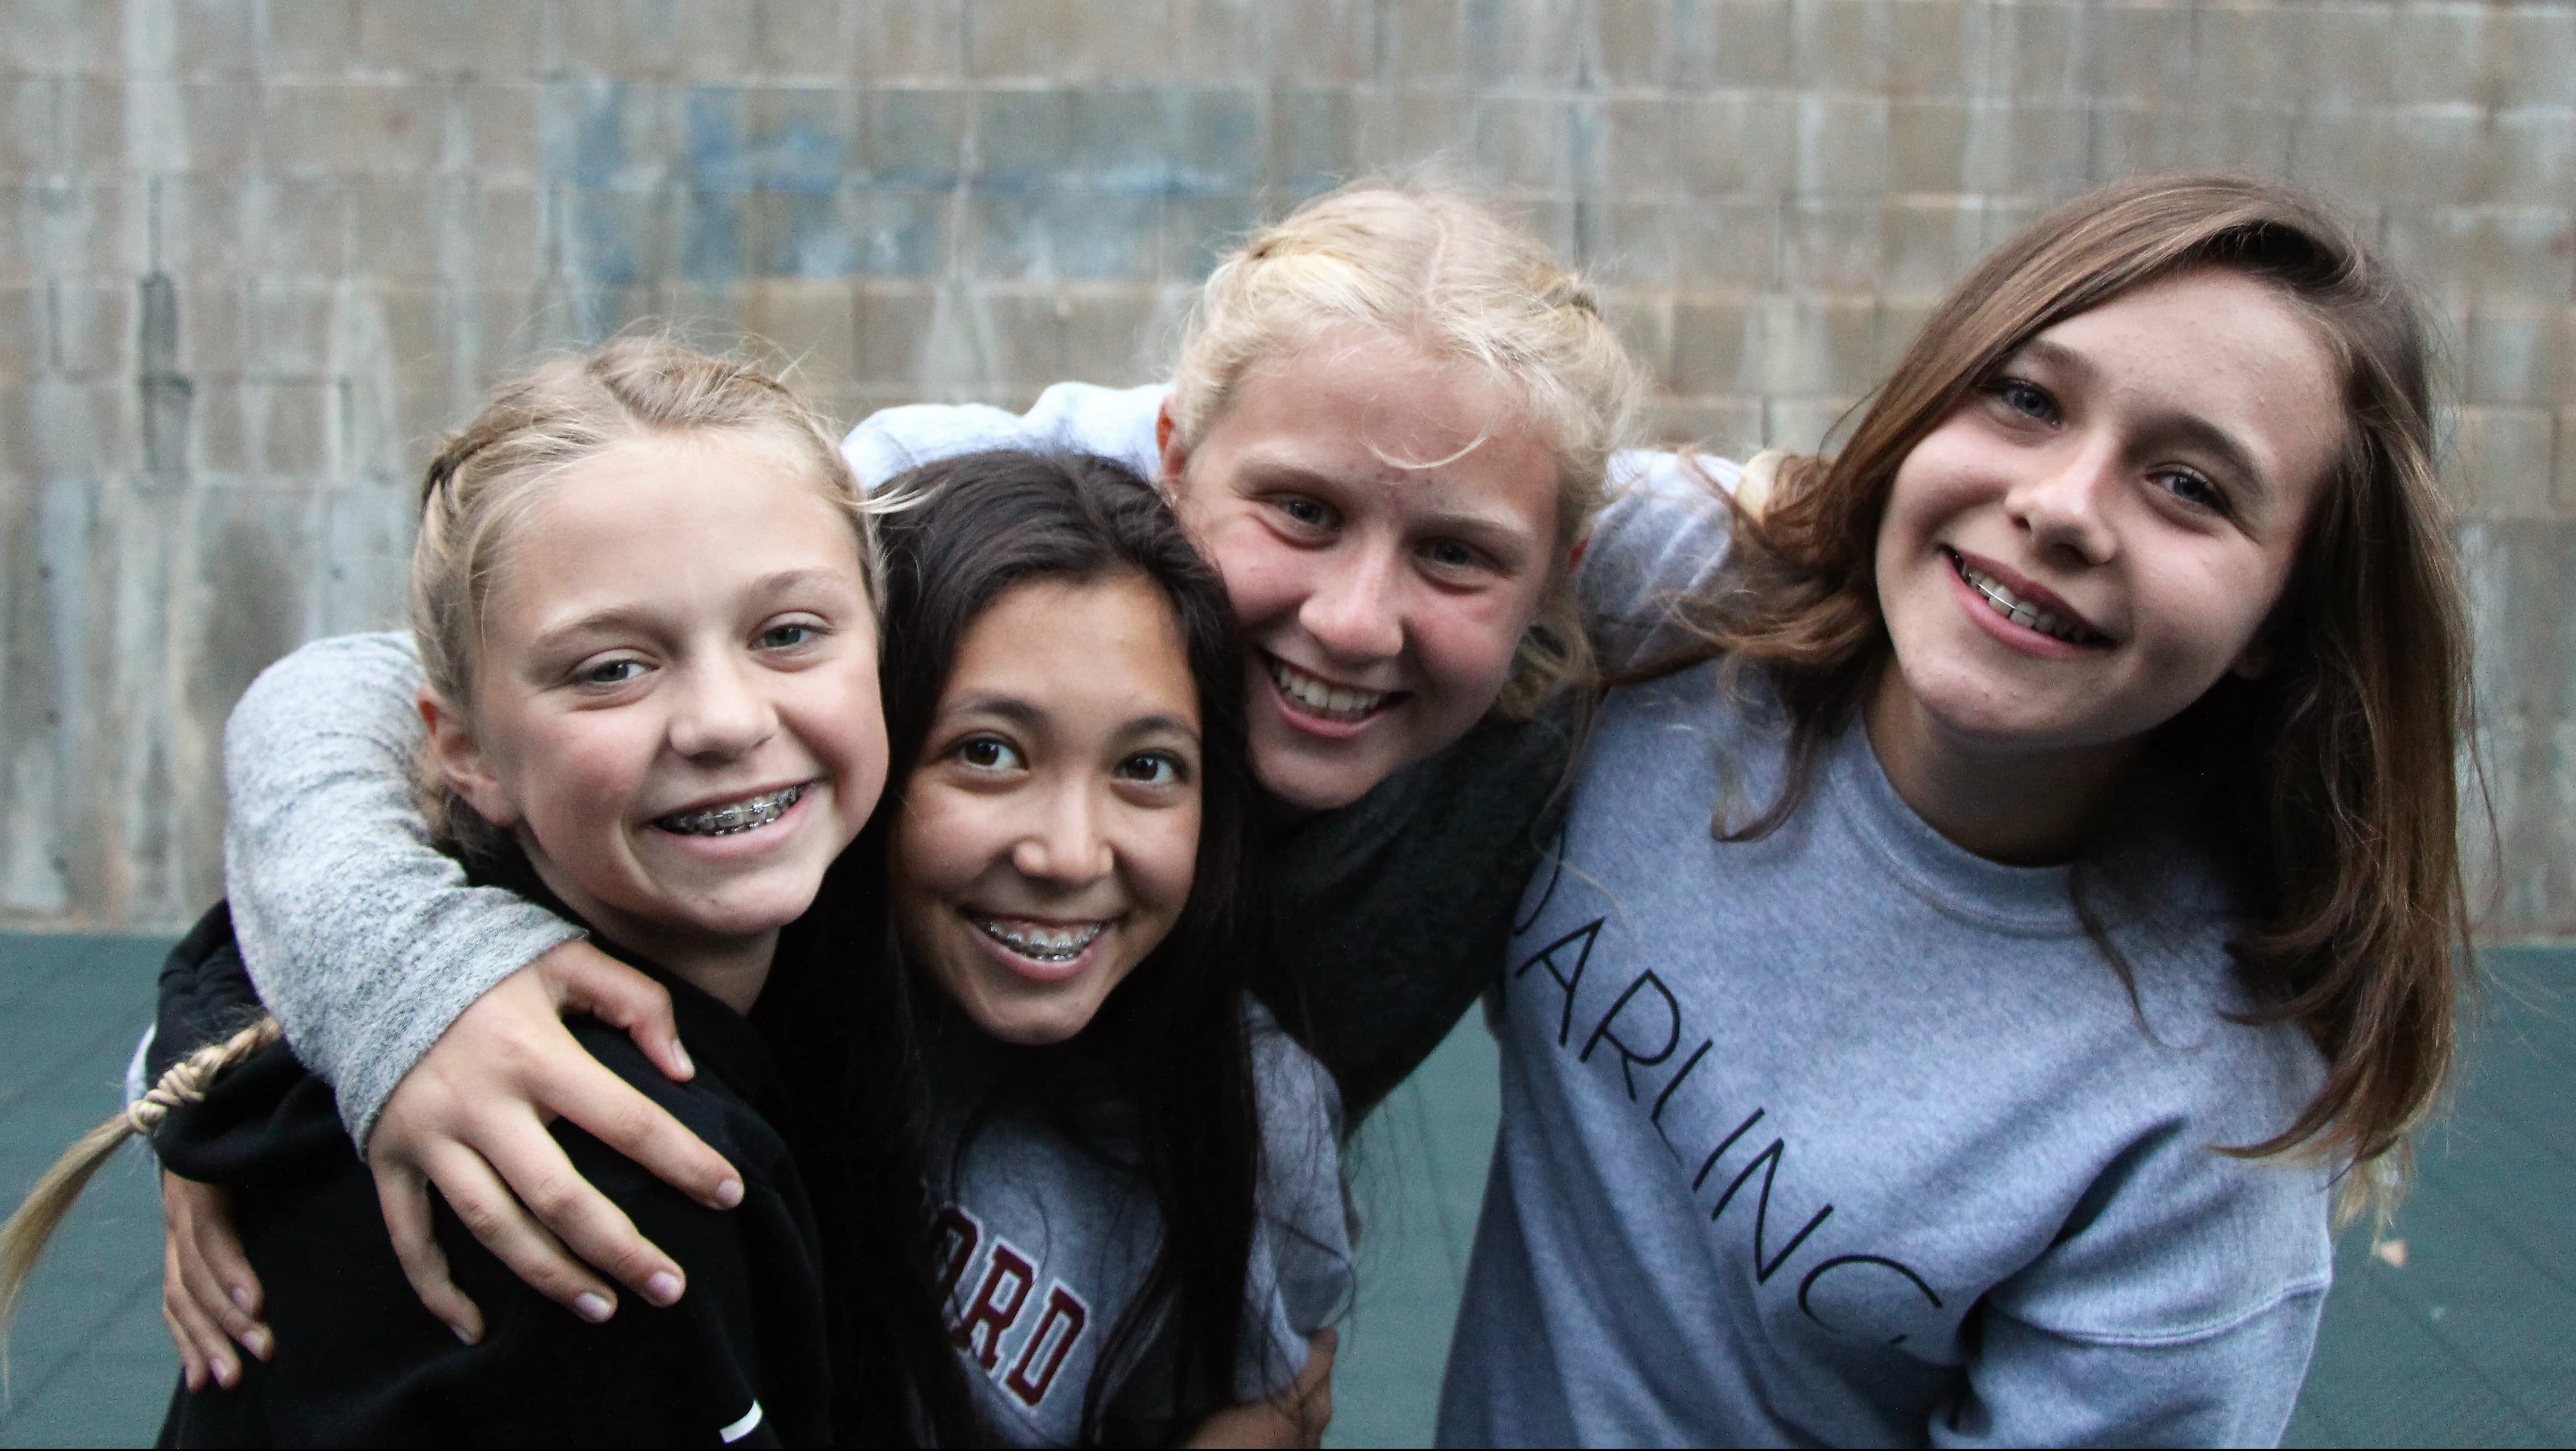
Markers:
point(1030, 1025)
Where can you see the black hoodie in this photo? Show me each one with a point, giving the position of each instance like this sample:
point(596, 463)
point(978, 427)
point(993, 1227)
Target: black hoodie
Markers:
point(742, 1359)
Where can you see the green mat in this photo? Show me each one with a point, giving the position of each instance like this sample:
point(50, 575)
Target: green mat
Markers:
point(2457, 1328)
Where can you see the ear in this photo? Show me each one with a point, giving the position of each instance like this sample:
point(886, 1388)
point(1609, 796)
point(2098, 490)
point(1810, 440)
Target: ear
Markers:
point(459, 759)
point(1174, 454)
point(1574, 556)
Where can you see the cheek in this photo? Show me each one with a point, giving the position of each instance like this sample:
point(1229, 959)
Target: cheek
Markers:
point(1266, 580)
point(940, 844)
point(579, 774)
point(1165, 853)
point(1466, 643)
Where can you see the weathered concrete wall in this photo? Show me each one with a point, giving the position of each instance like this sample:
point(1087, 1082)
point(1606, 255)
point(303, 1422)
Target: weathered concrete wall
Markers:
point(256, 252)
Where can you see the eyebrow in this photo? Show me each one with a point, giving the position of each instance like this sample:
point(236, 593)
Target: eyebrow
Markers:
point(1444, 514)
point(618, 618)
point(2189, 429)
point(1029, 715)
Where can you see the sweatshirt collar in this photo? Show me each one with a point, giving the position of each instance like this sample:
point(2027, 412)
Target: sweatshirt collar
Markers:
point(2030, 901)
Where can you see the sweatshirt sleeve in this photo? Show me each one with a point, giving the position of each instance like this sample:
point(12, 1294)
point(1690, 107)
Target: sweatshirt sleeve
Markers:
point(2232, 1386)
point(363, 939)
point(1659, 542)
point(2181, 1302)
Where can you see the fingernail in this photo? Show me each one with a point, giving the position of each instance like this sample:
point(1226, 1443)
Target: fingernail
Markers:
point(257, 1341)
point(590, 1307)
point(682, 1054)
point(729, 1193)
point(663, 1288)
point(224, 1372)
point(468, 1336)
point(241, 1299)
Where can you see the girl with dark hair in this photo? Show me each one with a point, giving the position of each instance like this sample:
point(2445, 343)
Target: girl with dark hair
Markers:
point(1140, 1212)
point(1972, 971)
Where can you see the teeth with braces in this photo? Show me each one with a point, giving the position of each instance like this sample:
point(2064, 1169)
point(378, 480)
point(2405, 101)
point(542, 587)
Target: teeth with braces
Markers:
point(1322, 699)
point(2019, 611)
point(749, 814)
point(1042, 944)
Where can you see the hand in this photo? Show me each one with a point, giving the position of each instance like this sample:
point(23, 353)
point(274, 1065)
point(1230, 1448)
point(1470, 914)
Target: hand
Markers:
point(209, 1295)
point(1296, 1417)
point(471, 1118)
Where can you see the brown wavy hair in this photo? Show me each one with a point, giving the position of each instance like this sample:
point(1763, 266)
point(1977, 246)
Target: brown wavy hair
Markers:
point(2328, 785)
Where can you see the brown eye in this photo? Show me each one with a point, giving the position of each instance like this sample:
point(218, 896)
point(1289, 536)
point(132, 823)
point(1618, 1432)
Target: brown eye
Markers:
point(1153, 768)
point(984, 753)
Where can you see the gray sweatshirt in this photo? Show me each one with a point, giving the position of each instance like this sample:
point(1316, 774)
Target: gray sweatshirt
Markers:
point(366, 942)
point(1042, 1245)
point(1846, 1136)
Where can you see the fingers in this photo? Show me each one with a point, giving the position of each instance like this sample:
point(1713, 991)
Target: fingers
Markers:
point(407, 1217)
point(612, 1111)
point(1314, 1390)
point(201, 1344)
point(208, 1292)
point(574, 1216)
point(218, 1275)
point(584, 979)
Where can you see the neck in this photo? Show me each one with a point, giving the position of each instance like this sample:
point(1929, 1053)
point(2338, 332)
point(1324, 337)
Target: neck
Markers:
point(2022, 808)
point(728, 967)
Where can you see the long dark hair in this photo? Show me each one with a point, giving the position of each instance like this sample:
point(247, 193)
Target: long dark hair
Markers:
point(2330, 780)
point(1161, 1082)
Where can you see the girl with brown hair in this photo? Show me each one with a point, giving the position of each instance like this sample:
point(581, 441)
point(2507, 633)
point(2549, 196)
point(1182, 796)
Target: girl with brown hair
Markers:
point(1970, 971)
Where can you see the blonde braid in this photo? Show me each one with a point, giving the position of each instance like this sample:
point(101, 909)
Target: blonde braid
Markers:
point(29, 1230)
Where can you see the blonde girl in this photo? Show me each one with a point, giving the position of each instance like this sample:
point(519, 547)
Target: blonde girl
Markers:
point(1972, 971)
point(1391, 429)
point(644, 603)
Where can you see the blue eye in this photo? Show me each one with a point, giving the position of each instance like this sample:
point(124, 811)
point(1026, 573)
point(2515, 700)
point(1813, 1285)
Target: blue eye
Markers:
point(1450, 554)
point(2192, 489)
point(2025, 398)
point(1306, 513)
point(788, 637)
point(611, 672)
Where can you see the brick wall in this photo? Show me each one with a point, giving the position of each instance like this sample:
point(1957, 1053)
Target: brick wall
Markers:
point(254, 253)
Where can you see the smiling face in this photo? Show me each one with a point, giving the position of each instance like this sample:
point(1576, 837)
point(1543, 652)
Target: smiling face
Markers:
point(2099, 532)
point(1386, 526)
point(1049, 833)
point(675, 693)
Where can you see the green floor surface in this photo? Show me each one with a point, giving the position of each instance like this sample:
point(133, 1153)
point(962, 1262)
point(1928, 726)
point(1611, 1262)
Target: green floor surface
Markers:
point(2466, 1338)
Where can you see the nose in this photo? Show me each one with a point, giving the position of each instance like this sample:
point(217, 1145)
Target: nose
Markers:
point(1353, 611)
point(2062, 506)
point(1065, 843)
point(722, 714)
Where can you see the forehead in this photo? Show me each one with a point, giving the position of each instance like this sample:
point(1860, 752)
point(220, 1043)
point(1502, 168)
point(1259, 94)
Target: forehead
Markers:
point(2217, 346)
point(1108, 647)
point(1372, 409)
point(669, 518)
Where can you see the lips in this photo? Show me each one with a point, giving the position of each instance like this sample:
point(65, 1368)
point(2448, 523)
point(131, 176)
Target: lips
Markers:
point(732, 818)
point(2030, 613)
point(1322, 698)
point(1051, 943)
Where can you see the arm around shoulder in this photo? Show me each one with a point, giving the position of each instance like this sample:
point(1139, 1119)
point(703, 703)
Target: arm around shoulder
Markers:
point(364, 940)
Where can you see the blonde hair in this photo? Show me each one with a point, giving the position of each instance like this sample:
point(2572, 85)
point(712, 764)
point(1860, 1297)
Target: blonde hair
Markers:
point(1440, 270)
point(482, 481)
point(24, 1237)
point(547, 420)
